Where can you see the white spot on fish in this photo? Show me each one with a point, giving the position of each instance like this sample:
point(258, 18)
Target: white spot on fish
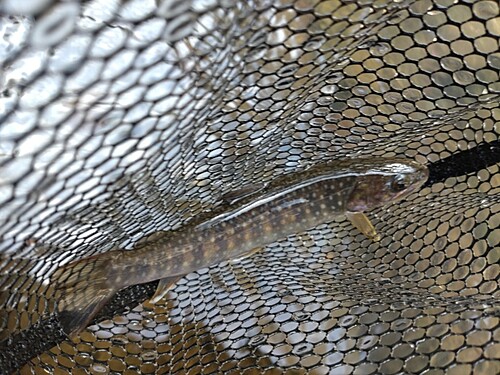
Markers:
point(290, 203)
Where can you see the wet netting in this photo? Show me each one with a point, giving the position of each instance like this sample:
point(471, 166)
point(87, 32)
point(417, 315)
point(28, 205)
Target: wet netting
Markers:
point(120, 119)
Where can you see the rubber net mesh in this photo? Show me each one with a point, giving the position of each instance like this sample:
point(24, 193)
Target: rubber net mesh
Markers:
point(119, 119)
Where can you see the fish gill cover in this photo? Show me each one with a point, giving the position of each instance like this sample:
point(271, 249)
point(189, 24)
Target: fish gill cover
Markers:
point(119, 119)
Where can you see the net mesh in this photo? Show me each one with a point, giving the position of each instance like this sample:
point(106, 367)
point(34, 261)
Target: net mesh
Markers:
point(120, 119)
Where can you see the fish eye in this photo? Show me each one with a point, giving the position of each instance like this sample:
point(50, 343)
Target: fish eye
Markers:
point(400, 183)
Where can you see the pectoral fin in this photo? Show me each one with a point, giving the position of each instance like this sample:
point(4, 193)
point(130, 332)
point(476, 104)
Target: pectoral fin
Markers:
point(363, 224)
point(164, 286)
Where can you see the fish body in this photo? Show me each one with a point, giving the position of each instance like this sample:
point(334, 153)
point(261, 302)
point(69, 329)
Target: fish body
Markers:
point(288, 205)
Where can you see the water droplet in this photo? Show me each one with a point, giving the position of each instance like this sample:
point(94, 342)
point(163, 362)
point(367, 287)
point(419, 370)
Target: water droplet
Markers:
point(99, 368)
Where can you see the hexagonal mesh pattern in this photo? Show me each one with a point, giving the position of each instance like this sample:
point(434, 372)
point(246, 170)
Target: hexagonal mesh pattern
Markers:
point(120, 119)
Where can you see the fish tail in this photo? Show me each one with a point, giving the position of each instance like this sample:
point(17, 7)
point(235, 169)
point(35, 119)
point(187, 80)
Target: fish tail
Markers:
point(85, 287)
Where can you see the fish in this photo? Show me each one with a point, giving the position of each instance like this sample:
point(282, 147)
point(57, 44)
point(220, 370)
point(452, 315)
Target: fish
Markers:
point(289, 204)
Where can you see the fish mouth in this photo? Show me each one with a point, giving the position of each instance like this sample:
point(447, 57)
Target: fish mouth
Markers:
point(418, 181)
point(421, 178)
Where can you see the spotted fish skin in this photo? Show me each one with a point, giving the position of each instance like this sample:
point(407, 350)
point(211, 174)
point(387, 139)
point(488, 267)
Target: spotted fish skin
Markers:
point(241, 230)
point(287, 205)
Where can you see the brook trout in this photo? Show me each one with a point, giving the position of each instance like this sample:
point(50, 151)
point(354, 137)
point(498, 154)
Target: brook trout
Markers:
point(290, 204)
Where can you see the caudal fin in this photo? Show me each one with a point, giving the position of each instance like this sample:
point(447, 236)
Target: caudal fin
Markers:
point(85, 287)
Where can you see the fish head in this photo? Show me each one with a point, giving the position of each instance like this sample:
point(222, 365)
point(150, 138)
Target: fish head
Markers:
point(385, 181)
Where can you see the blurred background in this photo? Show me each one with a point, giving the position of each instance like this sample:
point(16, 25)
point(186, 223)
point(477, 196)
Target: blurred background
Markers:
point(120, 119)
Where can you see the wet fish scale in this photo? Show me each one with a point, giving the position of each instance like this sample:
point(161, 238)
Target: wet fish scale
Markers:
point(285, 206)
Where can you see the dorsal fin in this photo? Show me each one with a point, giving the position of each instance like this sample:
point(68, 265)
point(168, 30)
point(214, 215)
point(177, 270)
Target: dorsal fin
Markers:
point(151, 238)
point(246, 191)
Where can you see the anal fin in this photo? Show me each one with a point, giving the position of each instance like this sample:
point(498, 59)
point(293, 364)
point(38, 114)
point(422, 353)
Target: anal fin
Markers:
point(164, 286)
point(363, 224)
